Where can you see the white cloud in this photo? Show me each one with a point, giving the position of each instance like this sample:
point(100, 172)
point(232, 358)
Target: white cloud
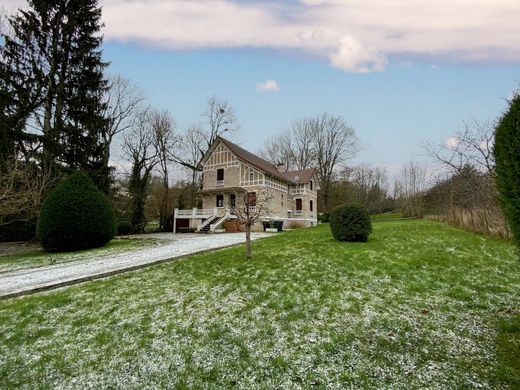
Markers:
point(353, 35)
point(353, 56)
point(451, 143)
point(269, 85)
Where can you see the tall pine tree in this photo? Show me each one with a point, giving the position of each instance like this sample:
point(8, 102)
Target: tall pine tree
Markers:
point(52, 87)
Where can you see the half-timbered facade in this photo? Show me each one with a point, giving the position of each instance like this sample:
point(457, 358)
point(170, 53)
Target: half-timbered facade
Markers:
point(229, 170)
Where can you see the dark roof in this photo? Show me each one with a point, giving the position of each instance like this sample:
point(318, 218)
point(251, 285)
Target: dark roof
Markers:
point(253, 159)
point(304, 175)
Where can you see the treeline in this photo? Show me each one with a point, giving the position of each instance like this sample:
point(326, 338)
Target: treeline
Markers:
point(61, 112)
point(464, 191)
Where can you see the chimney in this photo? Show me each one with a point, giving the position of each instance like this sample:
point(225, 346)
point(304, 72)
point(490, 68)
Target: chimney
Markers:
point(280, 167)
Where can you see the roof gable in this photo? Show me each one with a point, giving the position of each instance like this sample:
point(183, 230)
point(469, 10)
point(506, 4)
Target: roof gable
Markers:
point(304, 176)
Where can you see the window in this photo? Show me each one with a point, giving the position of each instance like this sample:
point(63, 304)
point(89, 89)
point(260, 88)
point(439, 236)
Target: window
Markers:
point(220, 200)
point(220, 175)
point(251, 199)
point(232, 200)
point(299, 206)
point(311, 208)
point(310, 183)
point(251, 174)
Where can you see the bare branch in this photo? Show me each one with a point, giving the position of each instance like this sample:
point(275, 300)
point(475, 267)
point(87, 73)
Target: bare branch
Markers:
point(471, 146)
point(123, 99)
point(219, 118)
point(251, 207)
point(22, 189)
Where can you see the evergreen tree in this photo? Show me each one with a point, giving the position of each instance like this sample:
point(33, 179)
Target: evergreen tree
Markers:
point(507, 155)
point(52, 85)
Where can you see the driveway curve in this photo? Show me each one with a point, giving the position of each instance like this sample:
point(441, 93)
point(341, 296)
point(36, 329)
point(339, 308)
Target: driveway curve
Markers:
point(171, 247)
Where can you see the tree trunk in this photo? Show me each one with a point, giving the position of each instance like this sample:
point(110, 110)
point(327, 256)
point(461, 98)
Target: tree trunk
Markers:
point(248, 240)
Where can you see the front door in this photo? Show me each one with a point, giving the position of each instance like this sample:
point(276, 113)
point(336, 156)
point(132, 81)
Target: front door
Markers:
point(232, 201)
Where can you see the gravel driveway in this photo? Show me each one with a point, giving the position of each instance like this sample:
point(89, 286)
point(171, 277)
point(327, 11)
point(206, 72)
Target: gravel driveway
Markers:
point(174, 246)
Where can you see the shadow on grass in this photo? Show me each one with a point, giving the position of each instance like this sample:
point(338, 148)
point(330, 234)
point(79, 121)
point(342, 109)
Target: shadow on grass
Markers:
point(508, 351)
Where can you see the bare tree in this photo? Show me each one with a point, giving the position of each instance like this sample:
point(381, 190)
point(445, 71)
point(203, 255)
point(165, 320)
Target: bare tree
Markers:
point(122, 101)
point(411, 187)
point(165, 140)
point(370, 186)
point(473, 145)
point(218, 118)
point(251, 207)
point(22, 190)
point(277, 149)
point(294, 148)
point(301, 140)
point(335, 143)
point(139, 147)
point(324, 142)
point(466, 179)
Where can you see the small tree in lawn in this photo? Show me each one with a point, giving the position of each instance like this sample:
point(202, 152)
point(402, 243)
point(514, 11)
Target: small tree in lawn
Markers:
point(251, 207)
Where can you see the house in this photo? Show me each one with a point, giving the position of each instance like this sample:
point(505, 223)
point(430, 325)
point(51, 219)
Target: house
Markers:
point(229, 170)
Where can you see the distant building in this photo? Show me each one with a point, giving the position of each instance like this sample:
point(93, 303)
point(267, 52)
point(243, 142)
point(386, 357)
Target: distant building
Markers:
point(229, 170)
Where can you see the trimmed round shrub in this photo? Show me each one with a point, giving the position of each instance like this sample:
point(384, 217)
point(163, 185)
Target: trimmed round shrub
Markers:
point(124, 228)
point(75, 215)
point(350, 222)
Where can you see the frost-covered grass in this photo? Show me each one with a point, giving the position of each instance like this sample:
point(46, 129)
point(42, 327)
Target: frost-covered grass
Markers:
point(386, 216)
point(38, 257)
point(421, 305)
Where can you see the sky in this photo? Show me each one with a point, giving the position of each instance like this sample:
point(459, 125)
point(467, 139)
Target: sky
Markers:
point(399, 72)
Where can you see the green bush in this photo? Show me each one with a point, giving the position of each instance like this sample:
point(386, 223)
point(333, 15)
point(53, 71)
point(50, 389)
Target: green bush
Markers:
point(124, 228)
point(350, 222)
point(75, 215)
point(278, 225)
point(507, 155)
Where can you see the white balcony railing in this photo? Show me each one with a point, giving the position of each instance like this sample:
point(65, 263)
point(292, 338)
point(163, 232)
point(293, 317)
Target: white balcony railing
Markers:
point(195, 213)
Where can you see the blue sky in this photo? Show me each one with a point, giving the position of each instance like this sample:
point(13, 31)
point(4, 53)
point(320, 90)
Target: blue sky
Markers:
point(399, 71)
point(392, 110)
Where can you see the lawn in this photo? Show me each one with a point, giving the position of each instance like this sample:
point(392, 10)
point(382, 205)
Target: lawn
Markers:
point(421, 305)
point(35, 256)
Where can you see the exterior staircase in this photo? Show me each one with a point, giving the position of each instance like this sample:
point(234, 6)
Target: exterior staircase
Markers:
point(208, 223)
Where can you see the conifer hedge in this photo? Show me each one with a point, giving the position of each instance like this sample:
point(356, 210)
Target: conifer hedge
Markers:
point(507, 156)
